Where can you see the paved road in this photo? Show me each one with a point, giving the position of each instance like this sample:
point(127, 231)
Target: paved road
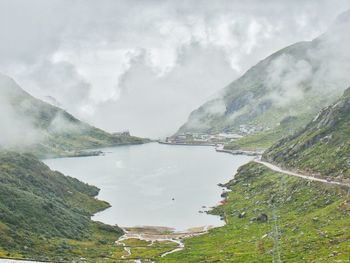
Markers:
point(311, 178)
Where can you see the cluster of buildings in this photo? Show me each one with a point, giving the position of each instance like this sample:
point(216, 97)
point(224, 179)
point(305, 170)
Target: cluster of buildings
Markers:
point(125, 133)
point(202, 138)
point(249, 129)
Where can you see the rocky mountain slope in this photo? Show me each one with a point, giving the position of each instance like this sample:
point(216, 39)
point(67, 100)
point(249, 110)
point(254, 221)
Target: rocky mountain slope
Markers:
point(323, 146)
point(296, 81)
point(29, 124)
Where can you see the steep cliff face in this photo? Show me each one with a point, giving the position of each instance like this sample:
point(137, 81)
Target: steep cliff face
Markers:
point(29, 124)
point(323, 146)
point(298, 81)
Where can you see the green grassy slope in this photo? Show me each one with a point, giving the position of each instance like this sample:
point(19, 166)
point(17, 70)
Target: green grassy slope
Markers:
point(307, 222)
point(323, 147)
point(40, 209)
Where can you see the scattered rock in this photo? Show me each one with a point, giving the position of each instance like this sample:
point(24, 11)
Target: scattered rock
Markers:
point(328, 201)
point(295, 229)
point(323, 234)
point(262, 218)
point(334, 253)
point(242, 215)
point(224, 194)
point(264, 236)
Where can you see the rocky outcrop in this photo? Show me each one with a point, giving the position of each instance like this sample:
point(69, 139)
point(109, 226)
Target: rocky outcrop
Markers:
point(323, 146)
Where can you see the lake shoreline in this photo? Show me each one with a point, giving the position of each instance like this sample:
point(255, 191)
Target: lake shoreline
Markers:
point(91, 152)
point(239, 152)
point(160, 232)
point(187, 144)
point(117, 213)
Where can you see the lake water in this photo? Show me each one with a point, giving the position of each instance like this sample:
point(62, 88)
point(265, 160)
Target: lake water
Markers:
point(155, 184)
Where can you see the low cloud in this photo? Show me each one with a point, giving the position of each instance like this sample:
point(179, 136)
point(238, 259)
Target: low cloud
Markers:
point(287, 79)
point(15, 129)
point(26, 121)
point(54, 49)
point(323, 69)
point(58, 82)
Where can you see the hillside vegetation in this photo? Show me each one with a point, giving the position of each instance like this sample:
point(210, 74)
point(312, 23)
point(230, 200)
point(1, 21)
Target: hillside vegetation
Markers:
point(41, 210)
point(322, 147)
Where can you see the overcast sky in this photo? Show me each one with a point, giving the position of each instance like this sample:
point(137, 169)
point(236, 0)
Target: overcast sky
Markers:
point(145, 65)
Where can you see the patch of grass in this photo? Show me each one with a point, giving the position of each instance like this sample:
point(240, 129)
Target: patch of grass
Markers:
point(149, 250)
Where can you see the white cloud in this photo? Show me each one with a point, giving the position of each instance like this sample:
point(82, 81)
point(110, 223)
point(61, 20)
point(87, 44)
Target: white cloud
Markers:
point(84, 53)
point(285, 78)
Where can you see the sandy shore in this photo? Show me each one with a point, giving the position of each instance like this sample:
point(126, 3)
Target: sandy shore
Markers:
point(157, 233)
point(154, 233)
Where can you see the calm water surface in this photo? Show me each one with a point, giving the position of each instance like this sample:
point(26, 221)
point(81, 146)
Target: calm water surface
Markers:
point(155, 184)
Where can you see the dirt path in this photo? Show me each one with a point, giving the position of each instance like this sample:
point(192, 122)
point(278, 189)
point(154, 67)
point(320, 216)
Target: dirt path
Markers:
point(307, 177)
point(153, 234)
point(180, 246)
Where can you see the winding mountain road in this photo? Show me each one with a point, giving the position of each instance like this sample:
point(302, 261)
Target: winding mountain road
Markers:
point(307, 177)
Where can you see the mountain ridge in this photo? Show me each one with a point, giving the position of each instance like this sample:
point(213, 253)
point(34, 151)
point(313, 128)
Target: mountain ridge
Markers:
point(46, 130)
point(296, 81)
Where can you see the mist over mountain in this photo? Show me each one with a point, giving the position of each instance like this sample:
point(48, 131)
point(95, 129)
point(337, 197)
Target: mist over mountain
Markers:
point(29, 124)
point(296, 81)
